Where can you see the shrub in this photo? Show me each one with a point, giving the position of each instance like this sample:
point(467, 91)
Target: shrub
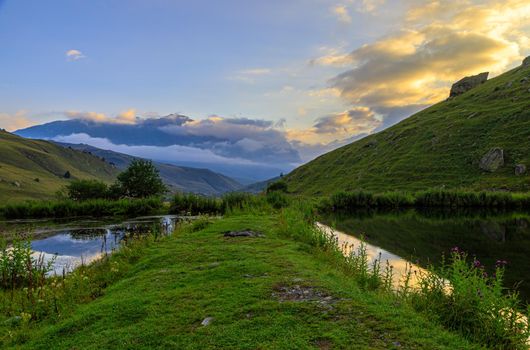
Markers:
point(278, 186)
point(81, 190)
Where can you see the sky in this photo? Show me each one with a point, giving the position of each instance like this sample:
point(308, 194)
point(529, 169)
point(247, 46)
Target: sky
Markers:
point(309, 75)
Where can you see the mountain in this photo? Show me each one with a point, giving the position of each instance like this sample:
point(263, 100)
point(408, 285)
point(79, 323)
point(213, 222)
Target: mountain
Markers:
point(183, 179)
point(479, 139)
point(33, 169)
point(259, 187)
point(244, 149)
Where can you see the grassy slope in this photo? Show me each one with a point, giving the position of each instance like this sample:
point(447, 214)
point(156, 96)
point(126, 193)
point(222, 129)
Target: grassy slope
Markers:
point(178, 178)
point(162, 300)
point(439, 146)
point(23, 160)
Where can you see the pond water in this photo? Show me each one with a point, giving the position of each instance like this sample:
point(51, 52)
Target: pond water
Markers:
point(70, 242)
point(422, 237)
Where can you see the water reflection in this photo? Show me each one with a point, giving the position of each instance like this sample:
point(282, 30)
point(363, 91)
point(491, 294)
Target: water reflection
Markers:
point(81, 242)
point(422, 236)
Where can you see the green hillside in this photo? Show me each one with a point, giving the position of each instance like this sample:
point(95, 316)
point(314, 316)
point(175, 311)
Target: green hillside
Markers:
point(32, 169)
point(439, 147)
point(177, 178)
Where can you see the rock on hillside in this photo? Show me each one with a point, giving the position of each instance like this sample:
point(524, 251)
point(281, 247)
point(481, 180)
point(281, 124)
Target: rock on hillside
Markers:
point(468, 83)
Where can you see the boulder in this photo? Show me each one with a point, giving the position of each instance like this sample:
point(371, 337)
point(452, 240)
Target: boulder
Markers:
point(468, 83)
point(520, 169)
point(16, 183)
point(526, 62)
point(492, 160)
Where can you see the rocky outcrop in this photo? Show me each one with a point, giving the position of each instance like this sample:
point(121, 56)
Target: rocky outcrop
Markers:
point(526, 62)
point(520, 169)
point(468, 83)
point(492, 160)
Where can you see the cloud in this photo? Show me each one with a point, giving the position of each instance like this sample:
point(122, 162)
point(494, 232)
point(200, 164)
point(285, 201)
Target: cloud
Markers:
point(125, 117)
point(342, 14)
point(12, 122)
point(332, 129)
point(173, 153)
point(256, 71)
point(74, 55)
point(368, 6)
point(439, 44)
point(250, 75)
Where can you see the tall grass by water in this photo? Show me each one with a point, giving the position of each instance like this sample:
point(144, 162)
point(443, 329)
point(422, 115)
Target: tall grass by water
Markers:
point(350, 201)
point(69, 208)
point(193, 204)
point(459, 294)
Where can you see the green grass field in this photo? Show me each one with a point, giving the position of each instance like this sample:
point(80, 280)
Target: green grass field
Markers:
point(161, 297)
point(33, 169)
point(439, 147)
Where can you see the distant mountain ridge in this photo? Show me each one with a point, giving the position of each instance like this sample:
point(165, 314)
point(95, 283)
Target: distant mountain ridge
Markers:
point(177, 178)
point(241, 149)
point(477, 140)
point(36, 169)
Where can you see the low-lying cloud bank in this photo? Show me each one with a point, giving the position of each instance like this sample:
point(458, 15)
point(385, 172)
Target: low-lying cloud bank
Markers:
point(212, 140)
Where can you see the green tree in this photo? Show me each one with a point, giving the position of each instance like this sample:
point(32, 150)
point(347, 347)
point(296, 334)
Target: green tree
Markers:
point(80, 190)
point(141, 179)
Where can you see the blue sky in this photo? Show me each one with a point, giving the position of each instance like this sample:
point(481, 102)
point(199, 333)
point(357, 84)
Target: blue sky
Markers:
point(323, 72)
point(192, 57)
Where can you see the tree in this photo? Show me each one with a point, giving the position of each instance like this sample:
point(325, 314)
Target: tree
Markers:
point(80, 190)
point(141, 179)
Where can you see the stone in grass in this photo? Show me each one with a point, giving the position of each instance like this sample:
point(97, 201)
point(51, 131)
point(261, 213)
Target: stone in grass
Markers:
point(520, 169)
point(207, 321)
point(492, 160)
point(244, 233)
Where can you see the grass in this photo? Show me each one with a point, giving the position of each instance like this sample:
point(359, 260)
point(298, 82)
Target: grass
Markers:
point(353, 201)
point(33, 169)
point(156, 294)
point(439, 147)
point(69, 208)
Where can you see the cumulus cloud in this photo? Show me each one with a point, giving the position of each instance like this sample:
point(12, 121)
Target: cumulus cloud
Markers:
point(253, 139)
point(438, 44)
point(125, 117)
point(334, 128)
point(18, 120)
point(74, 55)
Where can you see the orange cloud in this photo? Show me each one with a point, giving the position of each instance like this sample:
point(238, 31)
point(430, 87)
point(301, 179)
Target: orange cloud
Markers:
point(12, 122)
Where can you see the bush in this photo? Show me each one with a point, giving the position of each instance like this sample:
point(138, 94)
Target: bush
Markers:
point(278, 186)
point(81, 190)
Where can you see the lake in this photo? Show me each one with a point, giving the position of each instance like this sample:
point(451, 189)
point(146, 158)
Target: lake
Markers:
point(71, 242)
point(423, 236)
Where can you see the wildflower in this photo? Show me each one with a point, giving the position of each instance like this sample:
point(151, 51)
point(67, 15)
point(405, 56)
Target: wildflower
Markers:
point(501, 263)
point(455, 250)
point(476, 263)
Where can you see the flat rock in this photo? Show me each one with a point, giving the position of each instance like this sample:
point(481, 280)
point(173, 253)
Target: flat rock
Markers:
point(468, 83)
point(245, 233)
point(492, 160)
